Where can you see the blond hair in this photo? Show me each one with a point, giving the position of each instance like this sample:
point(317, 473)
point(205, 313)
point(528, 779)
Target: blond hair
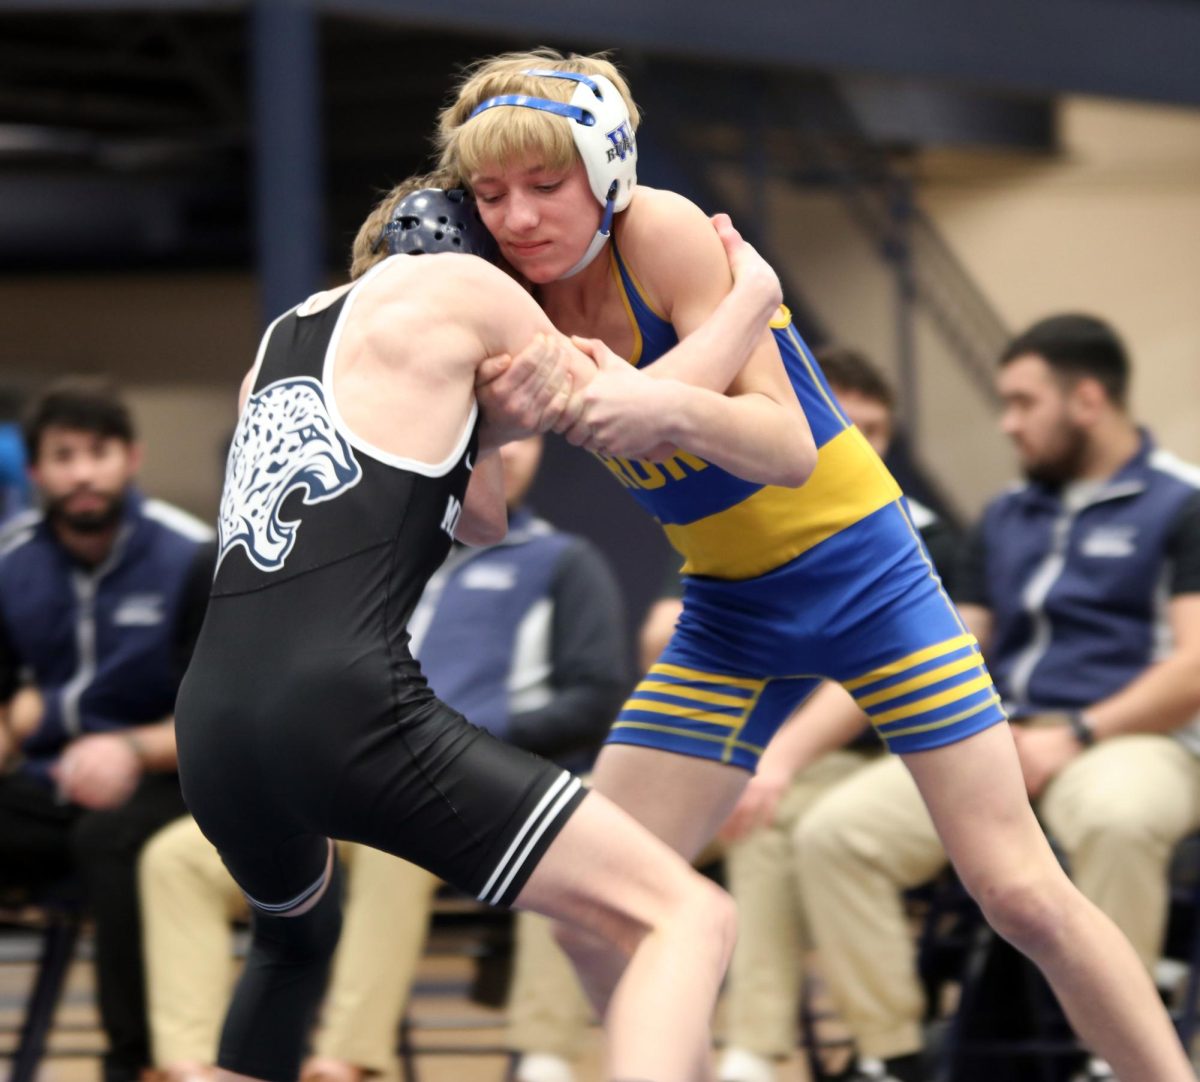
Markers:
point(369, 247)
point(500, 136)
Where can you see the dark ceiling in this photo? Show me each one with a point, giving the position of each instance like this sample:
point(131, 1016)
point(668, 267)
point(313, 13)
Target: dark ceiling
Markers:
point(127, 134)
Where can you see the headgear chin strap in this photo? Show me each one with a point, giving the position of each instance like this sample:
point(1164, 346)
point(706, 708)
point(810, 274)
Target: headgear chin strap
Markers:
point(603, 136)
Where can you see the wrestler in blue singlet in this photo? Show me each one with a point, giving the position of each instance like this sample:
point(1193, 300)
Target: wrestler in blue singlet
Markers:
point(785, 587)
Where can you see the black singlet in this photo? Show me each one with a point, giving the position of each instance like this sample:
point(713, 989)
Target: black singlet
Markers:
point(303, 715)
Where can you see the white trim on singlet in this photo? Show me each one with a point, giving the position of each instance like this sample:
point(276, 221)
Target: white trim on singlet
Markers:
point(280, 908)
point(426, 469)
point(548, 808)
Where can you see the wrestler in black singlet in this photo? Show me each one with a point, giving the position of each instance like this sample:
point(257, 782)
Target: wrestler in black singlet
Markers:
point(303, 715)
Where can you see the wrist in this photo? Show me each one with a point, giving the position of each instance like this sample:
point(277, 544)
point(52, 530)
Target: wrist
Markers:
point(678, 423)
point(136, 744)
point(1081, 728)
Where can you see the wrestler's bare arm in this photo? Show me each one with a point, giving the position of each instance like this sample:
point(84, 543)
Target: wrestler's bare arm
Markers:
point(716, 290)
point(756, 429)
point(533, 364)
point(531, 375)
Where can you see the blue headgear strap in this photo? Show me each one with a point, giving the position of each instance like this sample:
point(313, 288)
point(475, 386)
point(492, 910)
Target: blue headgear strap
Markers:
point(546, 105)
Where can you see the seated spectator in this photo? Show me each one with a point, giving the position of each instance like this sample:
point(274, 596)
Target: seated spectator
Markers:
point(765, 977)
point(1083, 588)
point(102, 594)
point(549, 678)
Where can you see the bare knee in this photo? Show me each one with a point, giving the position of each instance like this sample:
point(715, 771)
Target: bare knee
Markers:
point(706, 915)
point(691, 907)
point(1031, 912)
point(716, 919)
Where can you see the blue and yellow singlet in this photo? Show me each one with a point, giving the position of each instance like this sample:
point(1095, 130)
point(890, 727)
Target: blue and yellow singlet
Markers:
point(785, 587)
point(729, 528)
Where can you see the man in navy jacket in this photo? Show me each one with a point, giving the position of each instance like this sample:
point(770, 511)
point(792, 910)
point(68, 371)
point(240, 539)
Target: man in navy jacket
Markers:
point(101, 596)
point(1083, 588)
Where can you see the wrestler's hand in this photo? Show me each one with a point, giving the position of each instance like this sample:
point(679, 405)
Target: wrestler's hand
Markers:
point(528, 393)
point(624, 411)
point(98, 771)
point(750, 271)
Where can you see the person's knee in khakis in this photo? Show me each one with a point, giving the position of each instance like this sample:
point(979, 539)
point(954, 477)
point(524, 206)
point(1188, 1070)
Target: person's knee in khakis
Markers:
point(384, 927)
point(859, 847)
point(1118, 811)
point(188, 903)
point(762, 997)
point(548, 1013)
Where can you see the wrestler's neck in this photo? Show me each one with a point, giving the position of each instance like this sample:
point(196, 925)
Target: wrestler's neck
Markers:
point(582, 299)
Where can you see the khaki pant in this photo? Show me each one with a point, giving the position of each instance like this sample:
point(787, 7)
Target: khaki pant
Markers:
point(547, 1010)
point(762, 998)
point(189, 899)
point(1117, 811)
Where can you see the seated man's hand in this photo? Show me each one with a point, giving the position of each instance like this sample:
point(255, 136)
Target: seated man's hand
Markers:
point(20, 719)
point(99, 771)
point(25, 712)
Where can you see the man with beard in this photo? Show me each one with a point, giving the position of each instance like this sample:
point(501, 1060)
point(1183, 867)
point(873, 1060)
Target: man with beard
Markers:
point(102, 594)
point(1083, 588)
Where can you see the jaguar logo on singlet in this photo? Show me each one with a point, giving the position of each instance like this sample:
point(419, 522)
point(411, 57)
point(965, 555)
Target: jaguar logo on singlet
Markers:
point(285, 441)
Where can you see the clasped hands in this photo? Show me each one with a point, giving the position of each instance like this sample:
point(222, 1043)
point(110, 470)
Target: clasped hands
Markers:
point(579, 388)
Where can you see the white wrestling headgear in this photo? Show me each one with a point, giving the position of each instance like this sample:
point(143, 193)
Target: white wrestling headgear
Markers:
point(603, 136)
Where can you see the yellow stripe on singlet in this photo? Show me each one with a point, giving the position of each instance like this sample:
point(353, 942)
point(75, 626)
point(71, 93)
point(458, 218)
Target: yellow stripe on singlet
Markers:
point(943, 722)
point(894, 668)
point(708, 738)
point(932, 702)
point(775, 525)
point(682, 691)
point(933, 676)
point(667, 669)
point(693, 713)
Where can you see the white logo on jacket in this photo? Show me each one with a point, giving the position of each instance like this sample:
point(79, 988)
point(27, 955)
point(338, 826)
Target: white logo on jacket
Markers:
point(285, 440)
point(140, 610)
point(1110, 541)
